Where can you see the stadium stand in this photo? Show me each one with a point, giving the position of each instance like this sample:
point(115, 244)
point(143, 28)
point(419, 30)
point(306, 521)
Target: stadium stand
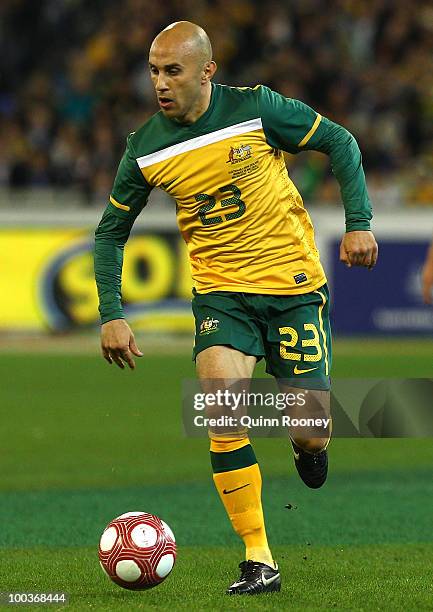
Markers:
point(74, 82)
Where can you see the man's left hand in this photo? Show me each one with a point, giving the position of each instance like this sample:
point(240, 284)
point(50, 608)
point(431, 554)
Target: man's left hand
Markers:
point(359, 249)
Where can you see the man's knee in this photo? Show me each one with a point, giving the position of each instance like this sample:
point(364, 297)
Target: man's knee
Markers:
point(311, 445)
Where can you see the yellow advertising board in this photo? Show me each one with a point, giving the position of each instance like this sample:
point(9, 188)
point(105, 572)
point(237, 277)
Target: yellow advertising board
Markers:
point(47, 280)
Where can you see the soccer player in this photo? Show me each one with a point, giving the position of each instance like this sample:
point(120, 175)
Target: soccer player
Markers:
point(259, 288)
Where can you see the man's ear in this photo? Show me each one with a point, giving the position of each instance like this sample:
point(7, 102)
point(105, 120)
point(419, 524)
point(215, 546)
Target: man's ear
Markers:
point(208, 71)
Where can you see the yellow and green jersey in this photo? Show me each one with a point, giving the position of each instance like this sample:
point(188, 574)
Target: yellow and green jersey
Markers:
point(242, 218)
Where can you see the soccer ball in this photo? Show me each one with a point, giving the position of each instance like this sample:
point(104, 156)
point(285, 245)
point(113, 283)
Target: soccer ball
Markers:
point(137, 550)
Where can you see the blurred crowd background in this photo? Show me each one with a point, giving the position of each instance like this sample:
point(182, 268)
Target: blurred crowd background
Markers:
point(74, 83)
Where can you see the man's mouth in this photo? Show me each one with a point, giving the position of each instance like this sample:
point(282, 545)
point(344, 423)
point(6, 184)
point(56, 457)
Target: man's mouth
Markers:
point(165, 102)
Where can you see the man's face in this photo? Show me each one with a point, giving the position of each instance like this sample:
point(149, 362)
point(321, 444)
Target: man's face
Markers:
point(176, 75)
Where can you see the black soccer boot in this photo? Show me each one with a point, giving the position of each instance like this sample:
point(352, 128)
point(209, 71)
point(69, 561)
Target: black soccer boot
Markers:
point(255, 578)
point(312, 468)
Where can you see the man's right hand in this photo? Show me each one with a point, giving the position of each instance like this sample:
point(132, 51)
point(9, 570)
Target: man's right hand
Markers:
point(118, 343)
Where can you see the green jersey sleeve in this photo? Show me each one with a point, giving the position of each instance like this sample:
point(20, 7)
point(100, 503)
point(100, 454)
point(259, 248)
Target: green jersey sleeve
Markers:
point(293, 126)
point(128, 198)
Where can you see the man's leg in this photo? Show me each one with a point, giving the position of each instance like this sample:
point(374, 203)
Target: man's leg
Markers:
point(299, 355)
point(236, 471)
point(228, 343)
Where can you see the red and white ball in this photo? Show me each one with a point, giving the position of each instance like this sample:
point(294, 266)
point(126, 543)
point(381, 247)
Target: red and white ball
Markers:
point(137, 550)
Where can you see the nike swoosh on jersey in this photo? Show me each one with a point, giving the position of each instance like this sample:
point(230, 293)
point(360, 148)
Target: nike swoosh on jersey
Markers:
point(298, 371)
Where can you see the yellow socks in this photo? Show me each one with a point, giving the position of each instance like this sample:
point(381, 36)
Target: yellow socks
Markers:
point(239, 483)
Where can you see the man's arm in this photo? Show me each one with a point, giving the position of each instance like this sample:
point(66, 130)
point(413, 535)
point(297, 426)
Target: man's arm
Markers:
point(358, 246)
point(293, 126)
point(129, 196)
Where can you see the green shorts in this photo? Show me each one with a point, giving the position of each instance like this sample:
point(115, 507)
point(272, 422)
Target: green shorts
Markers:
point(292, 332)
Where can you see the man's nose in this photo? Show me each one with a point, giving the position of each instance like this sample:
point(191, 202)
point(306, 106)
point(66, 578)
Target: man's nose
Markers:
point(160, 83)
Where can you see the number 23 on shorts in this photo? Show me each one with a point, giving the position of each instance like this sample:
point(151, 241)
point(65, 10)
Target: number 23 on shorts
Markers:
point(310, 360)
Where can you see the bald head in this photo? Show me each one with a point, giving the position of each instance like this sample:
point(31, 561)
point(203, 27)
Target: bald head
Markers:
point(188, 38)
point(181, 68)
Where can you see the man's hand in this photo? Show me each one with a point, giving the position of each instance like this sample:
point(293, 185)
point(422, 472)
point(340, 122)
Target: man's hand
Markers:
point(118, 343)
point(427, 277)
point(359, 249)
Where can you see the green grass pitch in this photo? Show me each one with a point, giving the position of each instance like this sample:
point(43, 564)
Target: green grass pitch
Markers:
point(82, 442)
